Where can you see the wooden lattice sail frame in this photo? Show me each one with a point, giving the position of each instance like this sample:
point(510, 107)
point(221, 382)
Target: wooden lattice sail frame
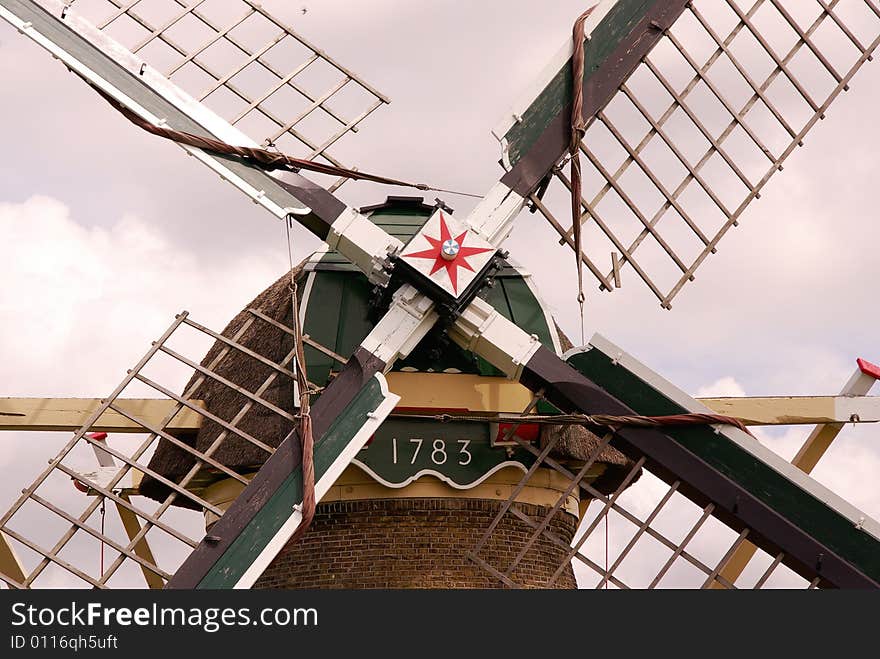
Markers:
point(712, 466)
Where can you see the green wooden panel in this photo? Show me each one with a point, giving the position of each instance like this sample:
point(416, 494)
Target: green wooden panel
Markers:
point(321, 322)
point(354, 321)
point(254, 538)
point(525, 310)
point(800, 507)
point(460, 452)
point(614, 27)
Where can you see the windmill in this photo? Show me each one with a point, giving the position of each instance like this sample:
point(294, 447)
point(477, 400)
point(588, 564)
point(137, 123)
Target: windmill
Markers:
point(438, 278)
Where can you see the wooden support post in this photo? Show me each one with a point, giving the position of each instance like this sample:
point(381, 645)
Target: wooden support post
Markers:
point(806, 459)
point(69, 414)
point(9, 563)
point(129, 519)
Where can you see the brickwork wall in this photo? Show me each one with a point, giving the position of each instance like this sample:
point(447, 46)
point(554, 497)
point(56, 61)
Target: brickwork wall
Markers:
point(417, 543)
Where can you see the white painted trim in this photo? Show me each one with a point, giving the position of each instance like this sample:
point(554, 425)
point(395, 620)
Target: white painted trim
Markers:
point(551, 324)
point(304, 303)
point(438, 475)
point(484, 331)
point(741, 439)
point(276, 544)
point(407, 321)
point(365, 244)
point(492, 218)
point(539, 84)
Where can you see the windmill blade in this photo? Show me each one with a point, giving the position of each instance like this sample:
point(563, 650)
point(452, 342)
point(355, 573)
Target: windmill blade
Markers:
point(691, 107)
point(728, 473)
point(125, 76)
point(269, 511)
point(266, 514)
point(56, 533)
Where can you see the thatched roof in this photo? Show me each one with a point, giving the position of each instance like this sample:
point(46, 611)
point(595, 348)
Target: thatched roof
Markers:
point(574, 443)
point(246, 372)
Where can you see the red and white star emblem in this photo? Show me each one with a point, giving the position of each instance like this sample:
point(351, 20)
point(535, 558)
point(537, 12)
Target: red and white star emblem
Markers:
point(448, 252)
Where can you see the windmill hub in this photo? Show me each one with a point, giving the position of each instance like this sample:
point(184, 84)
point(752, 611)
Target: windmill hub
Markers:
point(450, 249)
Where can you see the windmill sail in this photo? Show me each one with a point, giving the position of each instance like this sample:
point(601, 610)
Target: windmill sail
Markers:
point(691, 108)
point(804, 526)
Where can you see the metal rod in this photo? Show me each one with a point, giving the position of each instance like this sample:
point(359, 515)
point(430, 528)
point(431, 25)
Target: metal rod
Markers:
point(707, 512)
point(640, 531)
point(576, 547)
point(105, 539)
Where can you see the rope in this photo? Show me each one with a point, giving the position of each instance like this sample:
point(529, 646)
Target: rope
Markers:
point(612, 421)
point(307, 440)
point(578, 130)
point(263, 158)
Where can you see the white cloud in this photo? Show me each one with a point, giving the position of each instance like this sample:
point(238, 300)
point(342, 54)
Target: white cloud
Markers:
point(79, 304)
point(726, 386)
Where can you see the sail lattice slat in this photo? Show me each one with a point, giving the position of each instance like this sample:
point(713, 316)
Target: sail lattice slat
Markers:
point(691, 138)
point(247, 65)
point(61, 523)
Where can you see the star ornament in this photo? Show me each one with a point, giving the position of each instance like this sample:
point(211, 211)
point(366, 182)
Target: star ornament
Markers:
point(447, 251)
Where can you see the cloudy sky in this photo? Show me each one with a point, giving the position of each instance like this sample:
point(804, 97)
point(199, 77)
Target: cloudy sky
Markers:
point(108, 232)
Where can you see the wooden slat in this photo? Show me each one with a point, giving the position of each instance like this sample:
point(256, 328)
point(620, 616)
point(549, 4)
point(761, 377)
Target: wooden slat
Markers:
point(457, 391)
point(794, 410)
point(69, 414)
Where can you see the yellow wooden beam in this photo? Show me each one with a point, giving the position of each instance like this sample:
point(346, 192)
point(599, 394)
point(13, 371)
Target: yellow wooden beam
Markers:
point(132, 527)
point(449, 391)
point(457, 391)
point(794, 410)
point(9, 563)
point(814, 447)
point(69, 414)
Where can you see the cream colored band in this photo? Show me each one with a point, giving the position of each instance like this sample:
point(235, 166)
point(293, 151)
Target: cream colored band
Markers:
point(543, 489)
